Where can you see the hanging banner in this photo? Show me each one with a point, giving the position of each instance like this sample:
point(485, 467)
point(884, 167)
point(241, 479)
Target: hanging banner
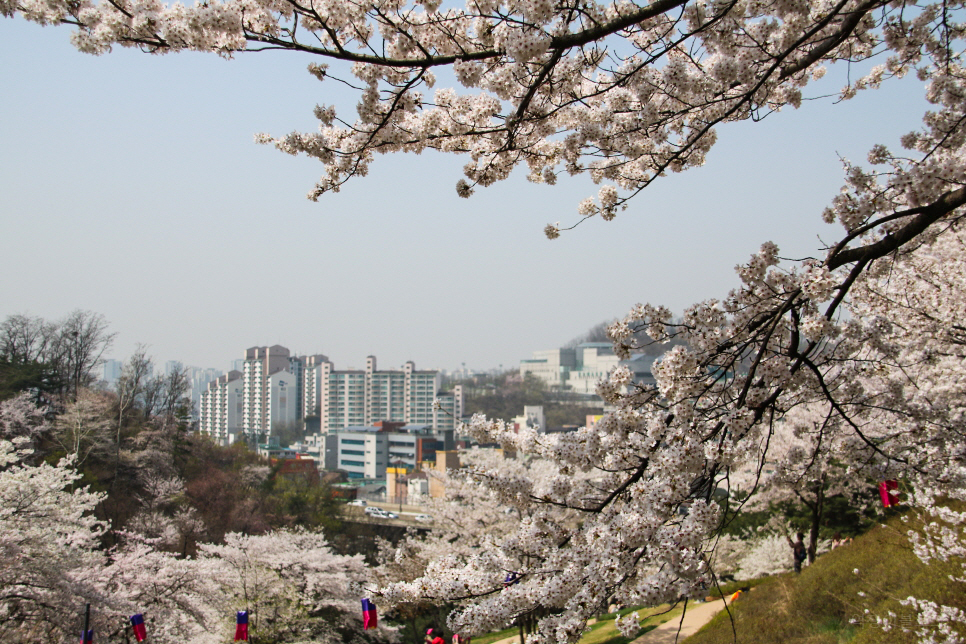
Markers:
point(889, 493)
point(241, 626)
point(369, 619)
point(137, 623)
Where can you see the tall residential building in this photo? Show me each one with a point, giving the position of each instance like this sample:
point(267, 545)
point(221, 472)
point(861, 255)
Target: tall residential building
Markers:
point(315, 377)
point(199, 383)
point(355, 398)
point(112, 371)
point(260, 364)
point(277, 387)
point(221, 407)
point(282, 400)
point(449, 413)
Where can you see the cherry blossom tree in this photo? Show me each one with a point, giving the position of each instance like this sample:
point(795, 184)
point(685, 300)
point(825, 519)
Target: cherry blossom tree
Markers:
point(172, 593)
point(812, 462)
point(22, 420)
point(49, 540)
point(916, 306)
point(84, 427)
point(294, 586)
point(468, 517)
point(627, 92)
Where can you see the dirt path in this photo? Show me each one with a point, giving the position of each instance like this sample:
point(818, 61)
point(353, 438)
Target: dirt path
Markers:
point(696, 616)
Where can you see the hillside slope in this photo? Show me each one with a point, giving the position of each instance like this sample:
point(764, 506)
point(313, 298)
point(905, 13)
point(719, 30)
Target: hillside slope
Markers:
point(836, 600)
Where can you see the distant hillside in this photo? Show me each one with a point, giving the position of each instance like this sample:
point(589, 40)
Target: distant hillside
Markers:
point(823, 605)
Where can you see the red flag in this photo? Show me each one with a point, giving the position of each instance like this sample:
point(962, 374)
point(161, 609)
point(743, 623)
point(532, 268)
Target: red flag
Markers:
point(889, 493)
point(369, 619)
point(137, 624)
point(241, 626)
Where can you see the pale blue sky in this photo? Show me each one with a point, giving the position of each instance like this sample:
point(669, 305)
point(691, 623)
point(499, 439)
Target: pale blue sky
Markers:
point(131, 186)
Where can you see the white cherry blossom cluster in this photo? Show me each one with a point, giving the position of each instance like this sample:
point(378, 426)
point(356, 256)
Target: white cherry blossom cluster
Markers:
point(771, 371)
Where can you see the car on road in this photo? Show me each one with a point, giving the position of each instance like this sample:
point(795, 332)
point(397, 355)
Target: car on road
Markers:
point(361, 503)
point(379, 513)
point(425, 518)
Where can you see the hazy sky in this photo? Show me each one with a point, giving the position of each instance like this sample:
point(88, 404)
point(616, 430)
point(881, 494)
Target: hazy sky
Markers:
point(131, 186)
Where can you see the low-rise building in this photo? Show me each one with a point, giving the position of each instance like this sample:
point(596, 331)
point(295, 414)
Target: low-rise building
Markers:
point(367, 451)
point(580, 369)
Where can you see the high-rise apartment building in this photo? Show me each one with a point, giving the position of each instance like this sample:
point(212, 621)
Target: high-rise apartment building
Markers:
point(354, 398)
point(260, 364)
point(277, 387)
point(221, 407)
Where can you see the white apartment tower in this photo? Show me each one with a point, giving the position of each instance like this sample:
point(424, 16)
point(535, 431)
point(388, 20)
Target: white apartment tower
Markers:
point(260, 364)
point(221, 407)
point(283, 399)
point(315, 378)
point(354, 398)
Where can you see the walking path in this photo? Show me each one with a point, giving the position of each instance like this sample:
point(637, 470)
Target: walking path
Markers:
point(696, 616)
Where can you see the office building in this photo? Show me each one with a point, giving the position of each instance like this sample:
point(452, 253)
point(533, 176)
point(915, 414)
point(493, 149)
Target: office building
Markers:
point(366, 451)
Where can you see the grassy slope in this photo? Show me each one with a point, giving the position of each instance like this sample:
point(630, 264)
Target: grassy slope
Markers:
point(823, 604)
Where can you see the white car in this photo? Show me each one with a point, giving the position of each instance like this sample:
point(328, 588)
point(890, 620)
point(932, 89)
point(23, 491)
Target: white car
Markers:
point(425, 518)
point(361, 503)
point(379, 513)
